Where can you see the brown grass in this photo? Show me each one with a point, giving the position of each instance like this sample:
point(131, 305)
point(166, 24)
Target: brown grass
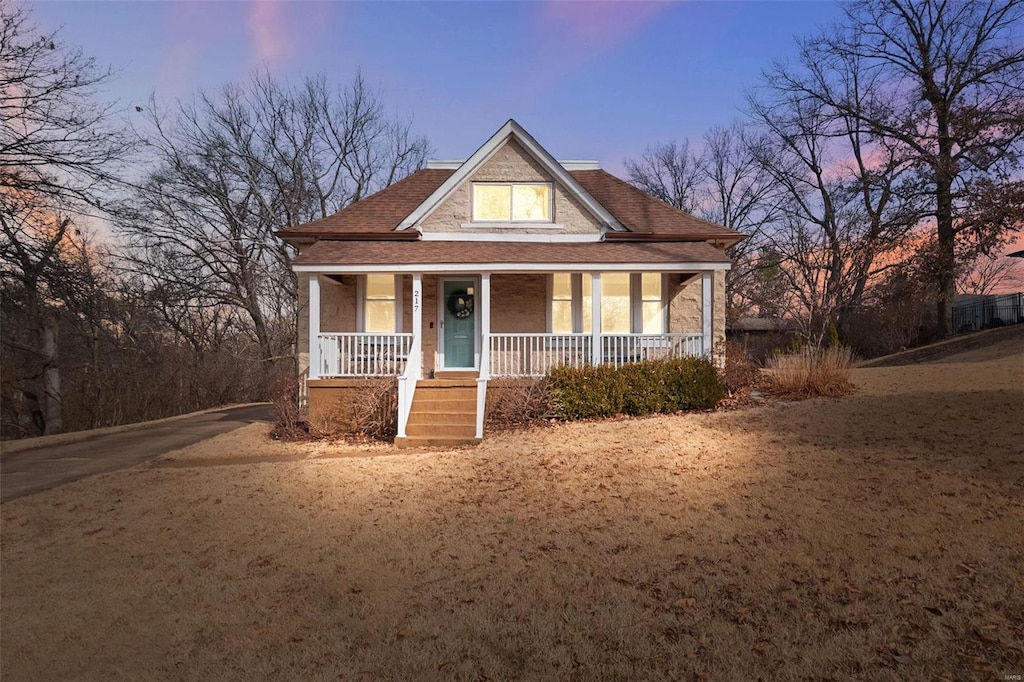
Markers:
point(878, 536)
point(812, 372)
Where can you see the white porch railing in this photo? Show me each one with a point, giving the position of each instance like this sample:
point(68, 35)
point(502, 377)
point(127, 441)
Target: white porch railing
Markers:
point(533, 355)
point(363, 354)
point(623, 349)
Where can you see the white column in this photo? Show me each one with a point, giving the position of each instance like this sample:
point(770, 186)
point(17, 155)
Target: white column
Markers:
point(706, 310)
point(416, 353)
point(595, 316)
point(485, 351)
point(314, 326)
point(485, 323)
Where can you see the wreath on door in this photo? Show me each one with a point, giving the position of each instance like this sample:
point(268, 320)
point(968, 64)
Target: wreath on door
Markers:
point(460, 304)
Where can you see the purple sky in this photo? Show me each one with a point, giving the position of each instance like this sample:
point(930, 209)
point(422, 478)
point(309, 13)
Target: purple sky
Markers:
point(589, 80)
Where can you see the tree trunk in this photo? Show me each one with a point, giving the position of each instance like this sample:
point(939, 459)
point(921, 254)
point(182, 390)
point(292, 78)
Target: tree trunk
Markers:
point(52, 407)
point(946, 276)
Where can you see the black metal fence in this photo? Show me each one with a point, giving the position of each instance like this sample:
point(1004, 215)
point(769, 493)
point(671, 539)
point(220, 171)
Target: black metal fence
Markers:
point(987, 312)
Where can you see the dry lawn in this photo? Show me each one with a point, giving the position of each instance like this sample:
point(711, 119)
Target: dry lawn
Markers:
point(877, 536)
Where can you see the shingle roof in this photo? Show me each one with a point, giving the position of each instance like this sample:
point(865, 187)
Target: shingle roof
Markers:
point(639, 212)
point(366, 252)
point(377, 213)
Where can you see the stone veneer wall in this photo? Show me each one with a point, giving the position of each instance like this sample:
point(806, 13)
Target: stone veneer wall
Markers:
point(510, 163)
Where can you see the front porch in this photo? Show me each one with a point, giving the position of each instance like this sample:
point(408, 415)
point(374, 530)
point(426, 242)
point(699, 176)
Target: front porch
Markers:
point(473, 327)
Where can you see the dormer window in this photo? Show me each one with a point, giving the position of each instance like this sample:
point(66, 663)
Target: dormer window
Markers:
point(512, 202)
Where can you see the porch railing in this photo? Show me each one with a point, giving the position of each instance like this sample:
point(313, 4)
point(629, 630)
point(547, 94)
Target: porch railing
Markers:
point(530, 355)
point(533, 355)
point(623, 349)
point(363, 354)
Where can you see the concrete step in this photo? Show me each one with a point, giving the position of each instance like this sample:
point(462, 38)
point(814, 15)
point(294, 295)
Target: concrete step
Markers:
point(446, 383)
point(453, 374)
point(420, 442)
point(442, 407)
point(435, 418)
point(441, 430)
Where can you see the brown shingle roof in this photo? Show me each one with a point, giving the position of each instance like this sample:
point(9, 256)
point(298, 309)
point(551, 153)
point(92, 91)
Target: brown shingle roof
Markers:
point(380, 212)
point(639, 212)
point(333, 252)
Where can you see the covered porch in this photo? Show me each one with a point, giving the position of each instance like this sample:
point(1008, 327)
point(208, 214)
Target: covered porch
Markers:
point(475, 326)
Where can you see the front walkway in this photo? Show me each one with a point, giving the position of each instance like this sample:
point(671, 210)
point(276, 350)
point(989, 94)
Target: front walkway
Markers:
point(32, 471)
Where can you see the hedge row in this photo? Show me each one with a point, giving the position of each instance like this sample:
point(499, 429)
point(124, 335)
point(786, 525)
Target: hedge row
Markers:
point(643, 388)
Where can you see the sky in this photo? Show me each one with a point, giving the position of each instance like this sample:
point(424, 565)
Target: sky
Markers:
point(589, 80)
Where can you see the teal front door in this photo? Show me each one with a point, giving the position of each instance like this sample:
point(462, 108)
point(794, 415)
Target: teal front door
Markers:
point(459, 315)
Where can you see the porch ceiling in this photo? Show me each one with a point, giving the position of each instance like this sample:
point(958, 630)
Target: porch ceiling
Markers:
point(427, 253)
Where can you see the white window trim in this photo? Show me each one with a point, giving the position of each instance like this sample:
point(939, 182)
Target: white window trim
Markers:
point(511, 222)
point(361, 303)
point(636, 300)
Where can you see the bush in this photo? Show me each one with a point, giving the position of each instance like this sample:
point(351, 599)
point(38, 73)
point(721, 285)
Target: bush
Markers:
point(741, 371)
point(813, 372)
point(515, 402)
point(375, 409)
point(656, 386)
point(289, 422)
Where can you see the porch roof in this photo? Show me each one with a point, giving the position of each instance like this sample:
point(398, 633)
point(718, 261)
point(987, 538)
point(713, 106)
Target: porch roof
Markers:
point(620, 255)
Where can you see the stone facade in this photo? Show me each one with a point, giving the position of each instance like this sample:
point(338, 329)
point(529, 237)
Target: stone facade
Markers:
point(510, 163)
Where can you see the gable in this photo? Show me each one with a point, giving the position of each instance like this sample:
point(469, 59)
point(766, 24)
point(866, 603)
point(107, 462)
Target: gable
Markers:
point(511, 163)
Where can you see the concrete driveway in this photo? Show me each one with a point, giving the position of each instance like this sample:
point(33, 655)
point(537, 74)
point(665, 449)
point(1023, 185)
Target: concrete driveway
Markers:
point(30, 471)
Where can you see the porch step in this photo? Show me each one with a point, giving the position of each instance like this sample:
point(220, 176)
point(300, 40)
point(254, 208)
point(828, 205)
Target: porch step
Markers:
point(443, 413)
point(464, 418)
point(419, 442)
point(453, 374)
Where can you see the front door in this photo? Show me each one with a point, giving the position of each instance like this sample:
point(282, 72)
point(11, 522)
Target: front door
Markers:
point(458, 349)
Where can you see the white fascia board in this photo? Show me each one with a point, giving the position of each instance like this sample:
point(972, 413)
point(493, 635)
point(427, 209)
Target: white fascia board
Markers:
point(485, 152)
point(505, 237)
point(515, 267)
point(567, 164)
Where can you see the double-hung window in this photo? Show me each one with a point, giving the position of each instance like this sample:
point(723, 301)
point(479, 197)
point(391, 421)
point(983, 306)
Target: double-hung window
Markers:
point(381, 301)
point(630, 303)
point(512, 202)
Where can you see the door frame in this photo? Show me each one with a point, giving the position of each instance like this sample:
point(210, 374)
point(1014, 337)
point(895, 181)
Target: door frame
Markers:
point(441, 366)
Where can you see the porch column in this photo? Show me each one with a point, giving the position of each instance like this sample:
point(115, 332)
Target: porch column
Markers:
point(314, 326)
point(485, 351)
point(706, 312)
point(416, 354)
point(595, 316)
point(485, 324)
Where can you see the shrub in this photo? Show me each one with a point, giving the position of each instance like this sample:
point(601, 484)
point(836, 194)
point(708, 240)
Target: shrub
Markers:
point(643, 388)
point(741, 371)
point(813, 372)
point(375, 409)
point(289, 422)
point(515, 402)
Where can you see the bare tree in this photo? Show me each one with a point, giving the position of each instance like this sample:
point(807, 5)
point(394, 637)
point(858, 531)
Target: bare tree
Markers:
point(738, 192)
point(669, 172)
point(947, 87)
point(60, 151)
point(989, 274)
point(236, 167)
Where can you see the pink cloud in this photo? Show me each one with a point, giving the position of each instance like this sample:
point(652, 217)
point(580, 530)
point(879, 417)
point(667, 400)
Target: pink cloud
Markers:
point(595, 27)
point(268, 32)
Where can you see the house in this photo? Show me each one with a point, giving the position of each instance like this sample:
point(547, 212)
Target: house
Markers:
point(500, 266)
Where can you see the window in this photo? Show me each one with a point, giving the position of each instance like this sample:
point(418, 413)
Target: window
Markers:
point(651, 310)
point(615, 309)
point(511, 202)
point(630, 303)
point(561, 303)
point(380, 310)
